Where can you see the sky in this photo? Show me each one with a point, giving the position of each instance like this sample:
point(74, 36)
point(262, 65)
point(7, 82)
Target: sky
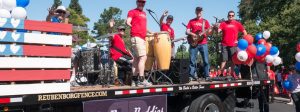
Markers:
point(182, 10)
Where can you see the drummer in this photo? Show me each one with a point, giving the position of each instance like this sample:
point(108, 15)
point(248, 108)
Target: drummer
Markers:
point(137, 20)
point(167, 27)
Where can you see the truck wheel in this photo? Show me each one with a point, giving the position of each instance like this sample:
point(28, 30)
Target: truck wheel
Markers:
point(229, 103)
point(207, 103)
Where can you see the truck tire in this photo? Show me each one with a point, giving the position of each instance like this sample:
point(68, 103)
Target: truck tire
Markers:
point(207, 102)
point(229, 103)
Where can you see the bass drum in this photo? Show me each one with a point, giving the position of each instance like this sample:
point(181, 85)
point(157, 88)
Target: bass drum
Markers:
point(162, 50)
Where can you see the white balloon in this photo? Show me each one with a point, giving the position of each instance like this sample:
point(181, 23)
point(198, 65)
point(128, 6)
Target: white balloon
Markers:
point(266, 34)
point(242, 55)
point(277, 61)
point(297, 56)
point(9, 4)
point(4, 13)
point(269, 59)
point(19, 13)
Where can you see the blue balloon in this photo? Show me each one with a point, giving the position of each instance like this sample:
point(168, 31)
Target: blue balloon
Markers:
point(297, 66)
point(22, 3)
point(287, 84)
point(243, 44)
point(258, 36)
point(261, 50)
point(273, 50)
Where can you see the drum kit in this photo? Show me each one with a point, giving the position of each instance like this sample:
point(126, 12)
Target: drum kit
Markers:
point(92, 66)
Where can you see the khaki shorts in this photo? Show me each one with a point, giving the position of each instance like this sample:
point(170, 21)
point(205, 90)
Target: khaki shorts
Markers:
point(138, 46)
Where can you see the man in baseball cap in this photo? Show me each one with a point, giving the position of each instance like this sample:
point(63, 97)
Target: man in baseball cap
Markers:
point(137, 20)
point(167, 27)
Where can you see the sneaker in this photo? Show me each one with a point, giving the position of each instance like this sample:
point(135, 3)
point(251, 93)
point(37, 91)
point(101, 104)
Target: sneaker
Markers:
point(146, 83)
point(134, 83)
point(207, 79)
point(290, 103)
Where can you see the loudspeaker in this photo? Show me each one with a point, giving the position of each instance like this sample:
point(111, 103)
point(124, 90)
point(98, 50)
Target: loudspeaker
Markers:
point(179, 71)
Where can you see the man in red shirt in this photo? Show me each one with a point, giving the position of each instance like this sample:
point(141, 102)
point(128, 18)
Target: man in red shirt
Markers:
point(198, 24)
point(230, 30)
point(167, 27)
point(118, 51)
point(137, 20)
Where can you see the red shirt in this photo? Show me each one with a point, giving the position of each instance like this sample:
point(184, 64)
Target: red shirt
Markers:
point(139, 23)
point(230, 32)
point(117, 42)
point(196, 25)
point(168, 28)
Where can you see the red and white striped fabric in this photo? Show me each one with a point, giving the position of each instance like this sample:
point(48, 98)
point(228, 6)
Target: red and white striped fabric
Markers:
point(35, 57)
point(144, 91)
point(225, 85)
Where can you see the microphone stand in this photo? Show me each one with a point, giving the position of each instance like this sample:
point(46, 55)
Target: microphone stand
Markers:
point(153, 17)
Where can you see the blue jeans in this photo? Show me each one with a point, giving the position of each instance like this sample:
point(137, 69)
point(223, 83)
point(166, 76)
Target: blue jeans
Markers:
point(193, 59)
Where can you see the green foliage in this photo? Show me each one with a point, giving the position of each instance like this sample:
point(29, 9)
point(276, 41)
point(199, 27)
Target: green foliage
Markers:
point(182, 55)
point(56, 3)
point(77, 19)
point(101, 26)
point(74, 4)
point(280, 17)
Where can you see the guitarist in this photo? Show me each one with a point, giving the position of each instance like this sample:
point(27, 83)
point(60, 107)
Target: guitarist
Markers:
point(230, 30)
point(194, 28)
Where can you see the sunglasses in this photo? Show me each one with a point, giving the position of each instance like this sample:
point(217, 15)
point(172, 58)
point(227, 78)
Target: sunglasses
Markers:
point(230, 15)
point(122, 29)
point(59, 11)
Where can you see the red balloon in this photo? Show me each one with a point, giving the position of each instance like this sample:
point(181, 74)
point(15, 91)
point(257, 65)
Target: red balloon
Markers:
point(262, 41)
point(249, 38)
point(261, 59)
point(235, 60)
point(251, 50)
point(248, 61)
point(268, 47)
point(298, 47)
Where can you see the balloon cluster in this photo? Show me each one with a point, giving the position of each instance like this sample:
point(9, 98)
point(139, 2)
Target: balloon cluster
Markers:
point(13, 8)
point(262, 51)
point(297, 56)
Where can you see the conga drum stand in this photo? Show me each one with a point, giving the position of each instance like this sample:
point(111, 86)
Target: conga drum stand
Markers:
point(153, 73)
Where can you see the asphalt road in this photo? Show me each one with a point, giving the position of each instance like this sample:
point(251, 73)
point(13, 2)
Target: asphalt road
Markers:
point(277, 106)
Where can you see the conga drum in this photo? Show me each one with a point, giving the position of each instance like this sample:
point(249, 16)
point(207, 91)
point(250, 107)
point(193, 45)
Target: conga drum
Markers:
point(162, 50)
point(150, 52)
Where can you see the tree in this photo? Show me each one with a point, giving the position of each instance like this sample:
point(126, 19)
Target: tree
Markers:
point(78, 19)
point(74, 5)
point(280, 17)
point(101, 27)
point(56, 3)
point(182, 52)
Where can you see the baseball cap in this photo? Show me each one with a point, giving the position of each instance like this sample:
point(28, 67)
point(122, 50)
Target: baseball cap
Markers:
point(61, 8)
point(170, 17)
point(199, 9)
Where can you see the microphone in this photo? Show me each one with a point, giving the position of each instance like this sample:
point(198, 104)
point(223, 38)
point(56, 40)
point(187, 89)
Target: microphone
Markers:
point(150, 10)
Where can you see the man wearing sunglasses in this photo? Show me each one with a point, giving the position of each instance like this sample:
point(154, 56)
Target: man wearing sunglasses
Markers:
point(230, 30)
point(58, 15)
point(137, 20)
point(167, 27)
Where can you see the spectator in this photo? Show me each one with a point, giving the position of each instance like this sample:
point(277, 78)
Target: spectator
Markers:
point(58, 15)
